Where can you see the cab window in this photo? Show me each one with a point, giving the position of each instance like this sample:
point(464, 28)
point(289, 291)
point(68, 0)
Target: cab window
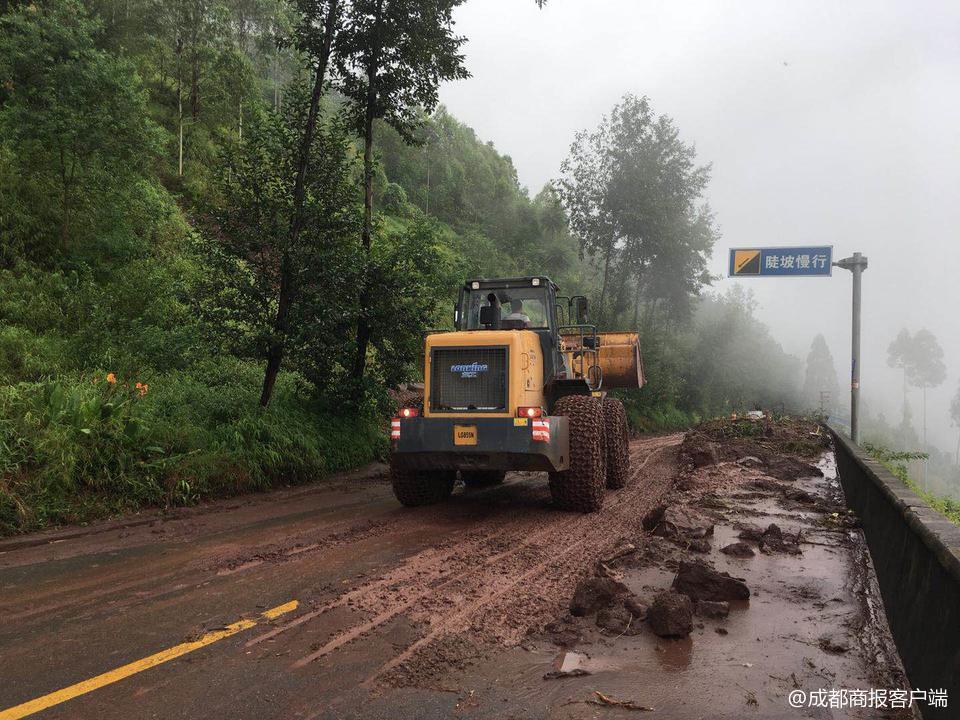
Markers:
point(528, 305)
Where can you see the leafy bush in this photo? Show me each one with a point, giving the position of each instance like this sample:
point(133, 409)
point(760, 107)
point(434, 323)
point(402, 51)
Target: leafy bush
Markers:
point(74, 448)
point(896, 461)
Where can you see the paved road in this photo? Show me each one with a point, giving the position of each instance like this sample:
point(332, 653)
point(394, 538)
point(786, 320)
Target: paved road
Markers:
point(327, 601)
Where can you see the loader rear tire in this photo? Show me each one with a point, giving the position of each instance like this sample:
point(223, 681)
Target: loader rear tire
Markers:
point(414, 488)
point(580, 487)
point(482, 478)
point(618, 449)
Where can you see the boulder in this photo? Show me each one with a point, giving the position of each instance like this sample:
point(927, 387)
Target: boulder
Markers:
point(772, 541)
point(595, 593)
point(700, 582)
point(703, 454)
point(738, 549)
point(671, 615)
point(676, 521)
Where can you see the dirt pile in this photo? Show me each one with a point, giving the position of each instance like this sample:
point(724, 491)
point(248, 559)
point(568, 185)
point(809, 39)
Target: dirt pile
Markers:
point(777, 436)
point(778, 447)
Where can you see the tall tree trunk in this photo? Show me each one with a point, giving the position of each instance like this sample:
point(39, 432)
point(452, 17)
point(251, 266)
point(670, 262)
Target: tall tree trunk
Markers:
point(194, 86)
point(363, 321)
point(277, 341)
point(180, 105)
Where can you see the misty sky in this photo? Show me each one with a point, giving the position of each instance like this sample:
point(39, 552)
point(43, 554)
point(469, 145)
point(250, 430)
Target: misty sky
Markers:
point(826, 123)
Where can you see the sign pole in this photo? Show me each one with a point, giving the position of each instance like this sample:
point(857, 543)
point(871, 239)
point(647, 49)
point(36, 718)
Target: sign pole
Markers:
point(856, 264)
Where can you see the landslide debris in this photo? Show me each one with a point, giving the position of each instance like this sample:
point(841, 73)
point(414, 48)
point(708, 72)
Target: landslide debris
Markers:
point(700, 582)
point(738, 549)
point(773, 541)
point(676, 521)
point(671, 614)
point(779, 447)
point(595, 593)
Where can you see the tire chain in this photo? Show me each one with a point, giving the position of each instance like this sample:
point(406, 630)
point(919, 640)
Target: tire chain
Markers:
point(422, 488)
point(618, 449)
point(580, 488)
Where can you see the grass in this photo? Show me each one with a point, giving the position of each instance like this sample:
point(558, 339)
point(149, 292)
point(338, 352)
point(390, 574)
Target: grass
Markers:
point(76, 448)
point(896, 462)
point(658, 419)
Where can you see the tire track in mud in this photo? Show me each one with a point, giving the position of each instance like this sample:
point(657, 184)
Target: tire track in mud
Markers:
point(531, 555)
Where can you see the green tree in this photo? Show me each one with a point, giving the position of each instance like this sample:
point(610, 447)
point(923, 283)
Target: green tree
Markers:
point(391, 56)
point(259, 266)
point(820, 377)
point(314, 41)
point(74, 131)
point(633, 192)
point(926, 369)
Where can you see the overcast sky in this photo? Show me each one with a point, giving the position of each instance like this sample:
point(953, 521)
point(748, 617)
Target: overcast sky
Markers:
point(834, 123)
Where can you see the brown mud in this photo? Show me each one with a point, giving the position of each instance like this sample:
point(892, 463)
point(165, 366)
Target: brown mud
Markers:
point(462, 609)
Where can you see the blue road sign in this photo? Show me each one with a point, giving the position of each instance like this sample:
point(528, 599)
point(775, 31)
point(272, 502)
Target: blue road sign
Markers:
point(782, 262)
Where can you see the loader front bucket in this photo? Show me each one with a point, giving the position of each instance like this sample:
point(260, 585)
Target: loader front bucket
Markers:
point(619, 358)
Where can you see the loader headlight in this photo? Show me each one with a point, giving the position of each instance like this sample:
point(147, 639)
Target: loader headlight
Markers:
point(535, 282)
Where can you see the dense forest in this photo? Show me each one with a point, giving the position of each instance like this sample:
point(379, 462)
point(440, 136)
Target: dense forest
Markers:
point(225, 226)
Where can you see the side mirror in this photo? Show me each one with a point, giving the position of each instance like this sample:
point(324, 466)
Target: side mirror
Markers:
point(580, 307)
point(489, 316)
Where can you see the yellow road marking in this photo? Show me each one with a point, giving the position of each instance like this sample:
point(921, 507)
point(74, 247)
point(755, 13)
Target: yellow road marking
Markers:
point(108, 678)
point(281, 610)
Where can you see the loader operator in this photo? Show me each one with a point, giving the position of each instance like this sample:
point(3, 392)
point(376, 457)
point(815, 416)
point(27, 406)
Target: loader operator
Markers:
point(517, 318)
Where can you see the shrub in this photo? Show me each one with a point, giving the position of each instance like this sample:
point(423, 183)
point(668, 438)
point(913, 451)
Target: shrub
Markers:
point(74, 448)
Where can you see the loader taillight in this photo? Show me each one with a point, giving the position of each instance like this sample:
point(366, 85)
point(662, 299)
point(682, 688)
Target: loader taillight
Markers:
point(409, 412)
point(529, 412)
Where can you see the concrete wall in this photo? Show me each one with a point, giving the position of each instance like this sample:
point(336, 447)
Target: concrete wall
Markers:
point(916, 553)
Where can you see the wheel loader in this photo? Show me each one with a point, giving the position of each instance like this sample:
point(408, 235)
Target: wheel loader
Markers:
point(520, 384)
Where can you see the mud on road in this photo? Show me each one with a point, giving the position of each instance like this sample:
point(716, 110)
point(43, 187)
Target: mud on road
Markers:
point(461, 609)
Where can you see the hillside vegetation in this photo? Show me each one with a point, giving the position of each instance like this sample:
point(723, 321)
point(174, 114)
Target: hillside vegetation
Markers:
point(218, 254)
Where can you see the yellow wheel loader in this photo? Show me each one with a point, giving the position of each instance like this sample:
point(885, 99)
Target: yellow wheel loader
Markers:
point(519, 385)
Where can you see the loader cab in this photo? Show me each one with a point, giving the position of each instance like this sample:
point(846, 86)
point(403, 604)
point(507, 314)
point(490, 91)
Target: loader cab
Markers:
point(511, 304)
point(533, 304)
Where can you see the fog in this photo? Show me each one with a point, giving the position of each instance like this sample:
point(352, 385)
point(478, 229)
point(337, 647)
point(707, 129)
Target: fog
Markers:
point(826, 123)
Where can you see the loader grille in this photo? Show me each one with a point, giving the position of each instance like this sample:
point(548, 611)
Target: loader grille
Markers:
point(468, 379)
